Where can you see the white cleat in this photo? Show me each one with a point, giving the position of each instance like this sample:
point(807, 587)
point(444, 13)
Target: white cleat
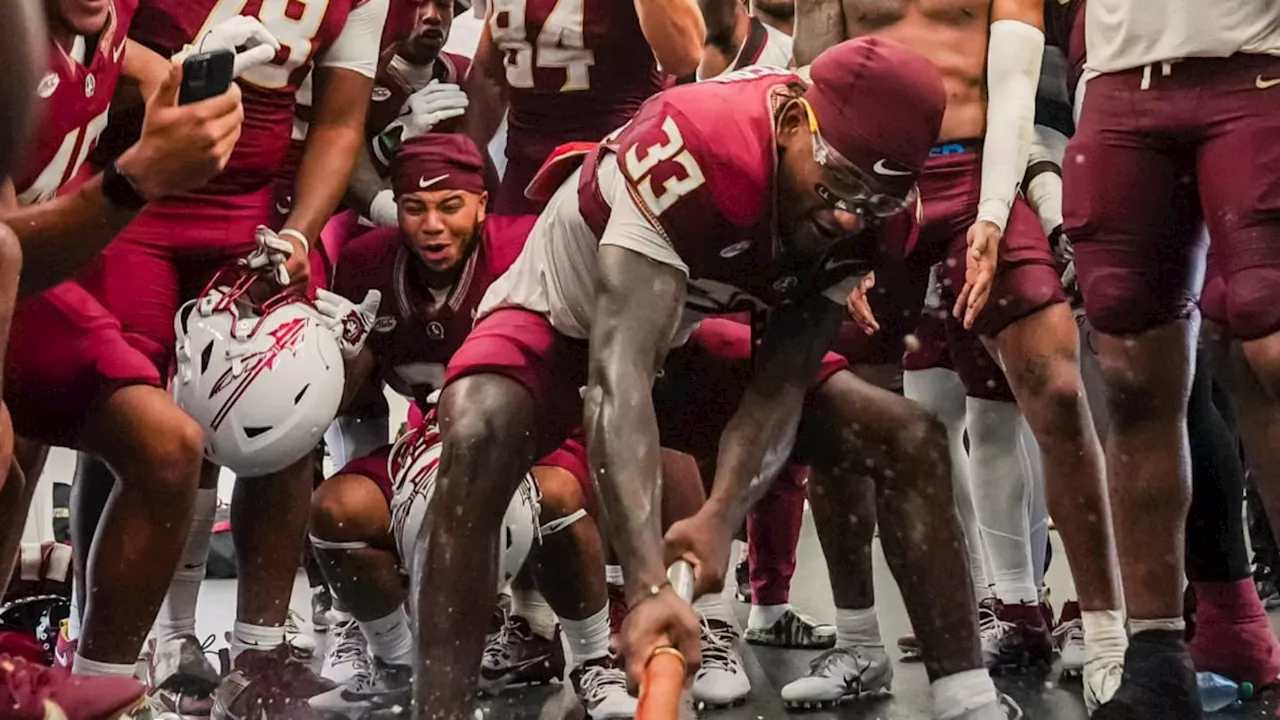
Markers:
point(349, 654)
point(295, 634)
point(1069, 638)
point(722, 680)
point(377, 685)
point(840, 675)
point(601, 685)
point(1101, 678)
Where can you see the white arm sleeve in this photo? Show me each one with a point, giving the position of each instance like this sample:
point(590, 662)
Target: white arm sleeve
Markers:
point(357, 45)
point(1014, 55)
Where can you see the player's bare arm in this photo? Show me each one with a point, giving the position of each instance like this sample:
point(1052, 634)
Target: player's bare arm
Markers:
point(638, 304)
point(144, 71)
point(336, 135)
point(180, 149)
point(486, 88)
point(22, 57)
point(1014, 54)
point(365, 185)
point(819, 25)
point(356, 370)
point(676, 32)
point(725, 34)
point(759, 437)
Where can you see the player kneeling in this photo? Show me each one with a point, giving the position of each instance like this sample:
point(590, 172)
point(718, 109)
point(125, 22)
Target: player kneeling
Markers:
point(433, 268)
point(366, 521)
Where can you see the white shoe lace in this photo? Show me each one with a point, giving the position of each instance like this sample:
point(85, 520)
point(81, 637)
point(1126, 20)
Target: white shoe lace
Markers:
point(498, 650)
point(828, 664)
point(599, 682)
point(1069, 633)
point(717, 648)
point(990, 627)
point(351, 646)
point(293, 623)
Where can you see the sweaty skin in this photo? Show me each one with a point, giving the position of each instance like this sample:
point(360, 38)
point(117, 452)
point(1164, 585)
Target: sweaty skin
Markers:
point(951, 33)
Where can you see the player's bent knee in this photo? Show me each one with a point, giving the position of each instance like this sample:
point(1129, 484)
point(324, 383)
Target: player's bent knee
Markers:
point(1133, 402)
point(1252, 308)
point(349, 508)
point(561, 492)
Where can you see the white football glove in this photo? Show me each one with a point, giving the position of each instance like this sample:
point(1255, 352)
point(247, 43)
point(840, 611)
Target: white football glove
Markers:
point(429, 107)
point(350, 323)
point(273, 252)
point(247, 37)
point(383, 211)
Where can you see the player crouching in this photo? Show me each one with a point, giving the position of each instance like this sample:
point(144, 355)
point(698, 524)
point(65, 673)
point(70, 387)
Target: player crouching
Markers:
point(433, 269)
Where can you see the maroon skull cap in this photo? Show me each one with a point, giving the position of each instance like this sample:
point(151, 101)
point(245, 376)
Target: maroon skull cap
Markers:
point(438, 161)
point(880, 105)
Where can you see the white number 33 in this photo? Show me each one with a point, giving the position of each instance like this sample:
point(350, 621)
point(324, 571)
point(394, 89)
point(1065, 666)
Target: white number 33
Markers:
point(681, 180)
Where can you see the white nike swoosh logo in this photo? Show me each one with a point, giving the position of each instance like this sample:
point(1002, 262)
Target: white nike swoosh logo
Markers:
point(61, 657)
point(1264, 84)
point(423, 183)
point(119, 52)
point(883, 169)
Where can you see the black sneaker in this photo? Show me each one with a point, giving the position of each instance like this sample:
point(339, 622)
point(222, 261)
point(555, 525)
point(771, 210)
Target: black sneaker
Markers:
point(1159, 681)
point(516, 656)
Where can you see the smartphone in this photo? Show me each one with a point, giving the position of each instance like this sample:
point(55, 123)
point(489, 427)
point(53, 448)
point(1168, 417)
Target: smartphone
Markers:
point(206, 75)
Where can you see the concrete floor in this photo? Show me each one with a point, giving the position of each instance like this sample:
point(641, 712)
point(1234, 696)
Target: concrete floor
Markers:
point(1041, 697)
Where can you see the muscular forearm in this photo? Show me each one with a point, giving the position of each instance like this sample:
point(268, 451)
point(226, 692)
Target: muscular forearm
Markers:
point(622, 439)
point(758, 439)
point(675, 31)
point(1013, 72)
point(63, 235)
point(819, 25)
point(486, 106)
point(323, 176)
point(365, 183)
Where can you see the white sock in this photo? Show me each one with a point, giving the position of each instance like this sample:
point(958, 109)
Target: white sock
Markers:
point(1173, 624)
point(532, 606)
point(1104, 634)
point(858, 628)
point(84, 666)
point(1001, 496)
point(764, 616)
point(955, 695)
point(713, 607)
point(177, 614)
point(74, 618)
point(245, 636)
point(390, 639)
point(943, 392)
point(588, 638)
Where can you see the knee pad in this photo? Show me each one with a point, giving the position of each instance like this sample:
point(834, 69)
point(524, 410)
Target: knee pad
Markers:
point(1253, 302)
point(1122, 302)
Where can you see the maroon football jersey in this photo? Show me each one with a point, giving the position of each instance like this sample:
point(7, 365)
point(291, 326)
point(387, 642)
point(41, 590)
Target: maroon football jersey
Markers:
point(305, 29)
point(74, 99)
point(415, 336)
point(577, 69)
point(700, 161)
point(1064, 29)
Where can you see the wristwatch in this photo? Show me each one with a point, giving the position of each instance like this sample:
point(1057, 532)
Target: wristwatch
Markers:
point(120, 189)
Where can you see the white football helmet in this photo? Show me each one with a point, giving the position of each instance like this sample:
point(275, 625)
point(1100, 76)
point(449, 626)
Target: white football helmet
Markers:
point(264, 381)
point(414, 464)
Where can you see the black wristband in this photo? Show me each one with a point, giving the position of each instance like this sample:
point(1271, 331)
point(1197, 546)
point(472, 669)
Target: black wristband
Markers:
point(120, 190)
